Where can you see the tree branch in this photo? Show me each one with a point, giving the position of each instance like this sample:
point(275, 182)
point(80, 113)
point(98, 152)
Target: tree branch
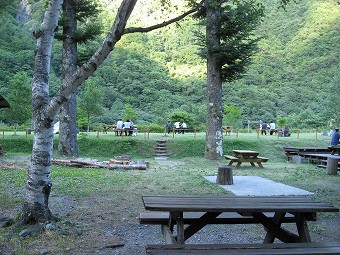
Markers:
point(163, 24)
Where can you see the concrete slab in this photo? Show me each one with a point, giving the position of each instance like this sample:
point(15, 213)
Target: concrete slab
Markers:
point(259, 186)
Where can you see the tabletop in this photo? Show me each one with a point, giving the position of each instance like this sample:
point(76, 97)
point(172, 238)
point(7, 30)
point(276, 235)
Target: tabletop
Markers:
point(246, 153)
point(235, 204)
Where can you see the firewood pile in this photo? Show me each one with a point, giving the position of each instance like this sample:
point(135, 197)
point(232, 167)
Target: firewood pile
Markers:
point(120, 162)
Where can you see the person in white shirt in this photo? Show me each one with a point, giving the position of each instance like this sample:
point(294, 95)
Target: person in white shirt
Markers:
point(127, 127)
point(177, 126)
point(272, 127)
point(119, 127)
point(184, 126)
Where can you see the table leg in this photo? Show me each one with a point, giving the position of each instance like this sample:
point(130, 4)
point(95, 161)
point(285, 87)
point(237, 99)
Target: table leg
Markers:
point(238, 164)
point(260, 164)
point(274, 228)
point(178, 217)
point(302, 227)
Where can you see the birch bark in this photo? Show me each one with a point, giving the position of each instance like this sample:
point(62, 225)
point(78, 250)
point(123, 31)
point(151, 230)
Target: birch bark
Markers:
point(38, 185)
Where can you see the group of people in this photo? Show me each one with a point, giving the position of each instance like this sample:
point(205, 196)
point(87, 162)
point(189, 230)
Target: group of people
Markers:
point(264, 127)
point(126, 126)
point(179, 127)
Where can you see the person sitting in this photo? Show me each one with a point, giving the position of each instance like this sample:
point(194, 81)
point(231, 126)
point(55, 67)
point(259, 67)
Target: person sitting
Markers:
point(177, 126)
point(184, 126)
point(127, 127)
point(286, 132)
point(119, 126)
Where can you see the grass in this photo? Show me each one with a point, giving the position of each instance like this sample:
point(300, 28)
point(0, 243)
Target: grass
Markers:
point(103, 197)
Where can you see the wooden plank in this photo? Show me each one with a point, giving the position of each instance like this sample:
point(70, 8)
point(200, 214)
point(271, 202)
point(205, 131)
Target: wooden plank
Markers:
point(160, 218)
point(330, 248)
point(235, 204)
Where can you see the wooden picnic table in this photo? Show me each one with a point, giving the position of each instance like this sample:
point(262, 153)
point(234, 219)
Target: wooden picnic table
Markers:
point(241, 156)
point(334, 149)
point(303, 209)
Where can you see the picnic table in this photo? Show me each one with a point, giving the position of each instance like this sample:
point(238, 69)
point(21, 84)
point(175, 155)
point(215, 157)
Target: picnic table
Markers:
point(302, 209)
point(334, 149)
point(241, 156)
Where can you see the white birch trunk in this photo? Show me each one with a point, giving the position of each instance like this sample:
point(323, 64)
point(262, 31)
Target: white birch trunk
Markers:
point(38, 186)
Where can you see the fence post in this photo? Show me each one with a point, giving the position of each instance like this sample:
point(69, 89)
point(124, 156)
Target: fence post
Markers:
point(236, 132)
point(194, 133)
point(316, 134)
point(298, 133)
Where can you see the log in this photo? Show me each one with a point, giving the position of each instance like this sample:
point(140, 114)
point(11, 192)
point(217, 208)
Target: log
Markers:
point(128, 167)
point(332, 165)
point(225, 175)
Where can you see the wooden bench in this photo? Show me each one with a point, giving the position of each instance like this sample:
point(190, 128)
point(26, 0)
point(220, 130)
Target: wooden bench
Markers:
point(162, 218)
point(245, 249)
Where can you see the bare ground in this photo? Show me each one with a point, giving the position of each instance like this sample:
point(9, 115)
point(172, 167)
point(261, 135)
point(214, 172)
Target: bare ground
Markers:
point(103, 225)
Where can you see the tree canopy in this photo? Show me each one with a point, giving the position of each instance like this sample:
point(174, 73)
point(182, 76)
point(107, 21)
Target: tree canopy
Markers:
point(160, 71)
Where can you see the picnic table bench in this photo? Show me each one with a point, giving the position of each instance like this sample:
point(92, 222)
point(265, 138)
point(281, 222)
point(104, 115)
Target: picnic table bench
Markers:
point(211, 207)
point(241, 156)
point(246, 249)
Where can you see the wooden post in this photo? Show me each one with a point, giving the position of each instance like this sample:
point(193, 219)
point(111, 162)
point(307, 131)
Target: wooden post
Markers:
point(224, 175)
point(316, 134)
point(236, 132)
point(194, 133)
point(97, 133)
point(332, 165)
point(298, 133)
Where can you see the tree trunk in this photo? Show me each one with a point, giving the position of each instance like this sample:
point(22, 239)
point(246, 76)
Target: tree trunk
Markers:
point(38, 185)
point(214, 134)
point(68, 145)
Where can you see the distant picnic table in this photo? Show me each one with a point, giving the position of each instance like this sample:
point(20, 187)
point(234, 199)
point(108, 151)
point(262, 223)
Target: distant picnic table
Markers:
point(241, 156)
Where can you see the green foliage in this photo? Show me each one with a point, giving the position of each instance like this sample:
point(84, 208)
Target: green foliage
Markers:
point(181, 116)
point(232, 115)
point(281, 121)
point(19, 98)
point(90, 100)
point(295, 69)
point(129, 113)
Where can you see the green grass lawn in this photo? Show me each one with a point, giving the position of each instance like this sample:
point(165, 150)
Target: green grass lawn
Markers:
point(115, 195)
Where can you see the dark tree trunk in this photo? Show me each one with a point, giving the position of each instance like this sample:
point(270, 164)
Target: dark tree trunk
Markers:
point(214, 145)
point(68, 145)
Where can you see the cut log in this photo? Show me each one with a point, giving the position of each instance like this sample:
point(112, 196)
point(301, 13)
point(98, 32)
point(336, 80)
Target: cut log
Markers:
point(332, 165)
point(128, 167)
point(225, 175)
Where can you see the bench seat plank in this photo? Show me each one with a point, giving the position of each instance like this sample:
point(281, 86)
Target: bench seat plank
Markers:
point(231, 157)
point(246, 249)
point(161, 218)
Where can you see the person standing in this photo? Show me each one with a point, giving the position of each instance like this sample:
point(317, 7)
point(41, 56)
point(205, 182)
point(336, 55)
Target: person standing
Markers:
point(264, 127)
point(272, 127)
point(169, 126)
point(335, 137)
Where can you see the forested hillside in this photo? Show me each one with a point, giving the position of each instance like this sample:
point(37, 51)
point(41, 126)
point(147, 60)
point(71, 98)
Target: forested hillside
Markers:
point(295, 73)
